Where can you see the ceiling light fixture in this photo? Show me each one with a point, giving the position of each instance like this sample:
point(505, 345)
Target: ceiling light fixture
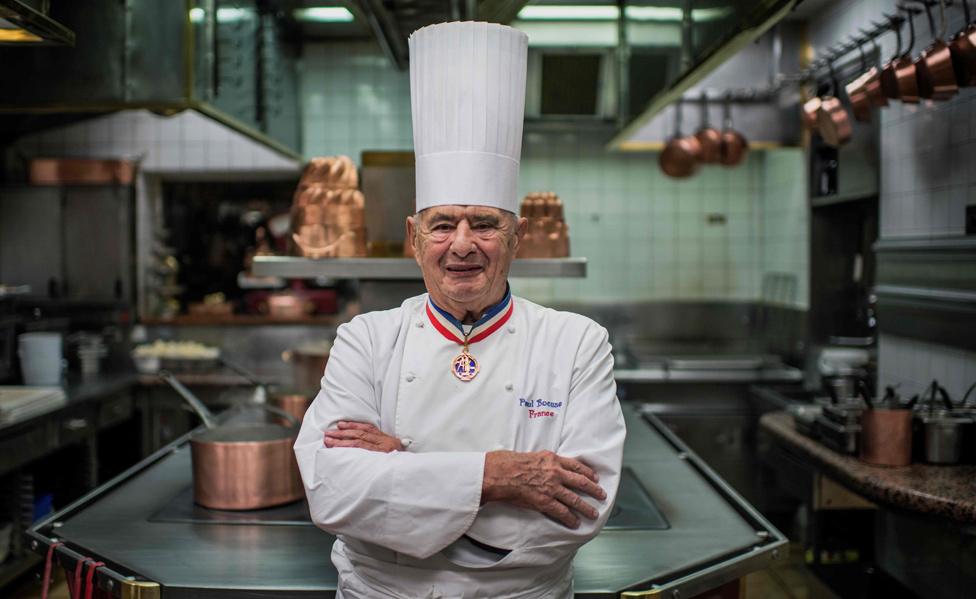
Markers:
point(324, 14)
point(611, 13)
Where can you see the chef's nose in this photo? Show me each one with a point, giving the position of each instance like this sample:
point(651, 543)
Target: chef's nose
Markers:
point(463, 242)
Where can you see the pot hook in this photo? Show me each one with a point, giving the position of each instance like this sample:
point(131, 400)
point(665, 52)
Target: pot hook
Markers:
point(704, 103)
point(911, 29)
point(677, 118)
point(874, 42)
point(727, 111)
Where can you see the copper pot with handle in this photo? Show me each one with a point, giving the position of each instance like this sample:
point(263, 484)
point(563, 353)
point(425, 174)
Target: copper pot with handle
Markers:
point(860, 103)
point(963, 48)
point(889, 72)
point(872, 79)
point(708, 136)
point(734, 144)
point(905, 70)
point(241, 466)
point(933, 68)
point(680, 156)
point(832, 120)
point(293, 403)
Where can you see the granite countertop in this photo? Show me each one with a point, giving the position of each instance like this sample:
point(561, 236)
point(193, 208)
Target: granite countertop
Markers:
point(948, 491)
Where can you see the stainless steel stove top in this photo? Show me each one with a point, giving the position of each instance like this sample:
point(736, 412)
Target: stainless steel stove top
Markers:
point(634, 510)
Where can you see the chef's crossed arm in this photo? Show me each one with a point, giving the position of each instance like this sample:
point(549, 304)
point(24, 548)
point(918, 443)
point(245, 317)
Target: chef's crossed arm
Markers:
point(418, 504)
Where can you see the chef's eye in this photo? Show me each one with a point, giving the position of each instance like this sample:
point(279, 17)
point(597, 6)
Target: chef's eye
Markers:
point(443, 227)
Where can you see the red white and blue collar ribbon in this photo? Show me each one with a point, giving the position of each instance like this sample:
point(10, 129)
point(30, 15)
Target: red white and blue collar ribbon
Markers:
point(451, 328)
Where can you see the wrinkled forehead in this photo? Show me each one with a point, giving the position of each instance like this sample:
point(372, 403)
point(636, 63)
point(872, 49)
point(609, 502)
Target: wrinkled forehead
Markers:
point(457, 212)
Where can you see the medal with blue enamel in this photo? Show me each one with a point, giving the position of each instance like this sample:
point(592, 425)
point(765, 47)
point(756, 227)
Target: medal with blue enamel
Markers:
point(465, 366)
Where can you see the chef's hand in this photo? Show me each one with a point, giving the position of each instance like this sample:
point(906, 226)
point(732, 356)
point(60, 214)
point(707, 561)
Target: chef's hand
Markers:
point(542, 481)
point(362, 435)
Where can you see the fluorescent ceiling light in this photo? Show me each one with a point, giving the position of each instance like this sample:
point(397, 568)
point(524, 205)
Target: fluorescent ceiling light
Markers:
point(224, 15)
point(568, 13)
point(324, 14)
point(610, 13)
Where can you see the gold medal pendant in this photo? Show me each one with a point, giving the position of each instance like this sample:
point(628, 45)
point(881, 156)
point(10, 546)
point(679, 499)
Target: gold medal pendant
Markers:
point(465, 367)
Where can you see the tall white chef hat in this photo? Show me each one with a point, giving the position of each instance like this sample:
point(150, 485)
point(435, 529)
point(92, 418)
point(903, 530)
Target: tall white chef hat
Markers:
point(467, 93)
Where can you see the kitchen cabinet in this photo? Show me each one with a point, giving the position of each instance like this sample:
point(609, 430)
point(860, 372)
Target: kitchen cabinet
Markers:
point(69, 242)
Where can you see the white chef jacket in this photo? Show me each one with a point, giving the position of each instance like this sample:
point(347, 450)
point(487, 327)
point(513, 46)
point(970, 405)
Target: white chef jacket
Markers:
point(403, 519)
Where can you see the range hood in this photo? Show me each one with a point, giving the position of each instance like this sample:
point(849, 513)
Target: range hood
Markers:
point(239, 67)
point(21, 23)
point(704, 46)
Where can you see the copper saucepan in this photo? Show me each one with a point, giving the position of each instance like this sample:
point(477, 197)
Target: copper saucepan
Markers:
point(889, 72)
point(680, 156)
point(734, 144)
point(294, 403)
point(708, 136)
point(933, 67)
point(905, 69)
point(872, 80)
point(241, 467)
point(963, 48)
point(860, 104)
point(832, 119)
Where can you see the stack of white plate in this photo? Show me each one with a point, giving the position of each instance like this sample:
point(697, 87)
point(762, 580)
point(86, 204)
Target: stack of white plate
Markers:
point(21, 403)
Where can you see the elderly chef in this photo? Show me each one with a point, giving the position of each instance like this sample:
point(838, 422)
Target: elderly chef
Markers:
point(467, 443)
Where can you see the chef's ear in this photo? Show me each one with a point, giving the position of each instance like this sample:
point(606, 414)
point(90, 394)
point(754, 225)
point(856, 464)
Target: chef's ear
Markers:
point(412, 237)
point(520, 229)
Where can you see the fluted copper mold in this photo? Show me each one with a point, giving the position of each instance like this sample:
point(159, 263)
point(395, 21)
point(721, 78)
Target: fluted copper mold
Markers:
point(547, 235)
point(328, 215)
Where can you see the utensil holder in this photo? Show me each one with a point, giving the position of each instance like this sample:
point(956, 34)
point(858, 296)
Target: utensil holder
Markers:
point(886, 437)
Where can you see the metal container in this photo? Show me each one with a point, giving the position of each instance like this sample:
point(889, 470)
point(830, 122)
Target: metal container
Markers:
point(241, 467)
point(294, 404)
point(839, 437)
point(945, 437)
point(886, 437)
point(245, 467)
point(308, 365)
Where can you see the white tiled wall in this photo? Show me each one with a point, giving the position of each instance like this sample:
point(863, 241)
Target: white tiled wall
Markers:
point(646, 236)
point(928, 176)
point(913, 364)
point(186, 142)
point(785, 227)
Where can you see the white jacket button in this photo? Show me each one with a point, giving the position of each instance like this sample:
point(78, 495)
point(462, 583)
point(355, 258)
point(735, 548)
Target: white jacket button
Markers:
point(509, 387)
point(511, 329)
point(409, 378)
point(406, 442)
point(420, 324)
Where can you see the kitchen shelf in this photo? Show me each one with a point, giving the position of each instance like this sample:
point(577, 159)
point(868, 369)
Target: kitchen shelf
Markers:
point(398, 268)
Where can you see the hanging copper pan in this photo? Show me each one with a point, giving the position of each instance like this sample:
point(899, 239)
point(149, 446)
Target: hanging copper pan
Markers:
point(872, 79)
point(905, 71)
point(809, 113)
point(832, 119)
point(734, 144)
point(889, 72)
point(933, 67)
point(860, 105)
point(708, 136)
point(680, 156)
point(963, 49)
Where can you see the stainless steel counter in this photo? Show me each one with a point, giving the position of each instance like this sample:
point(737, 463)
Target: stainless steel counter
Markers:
point(711, 535)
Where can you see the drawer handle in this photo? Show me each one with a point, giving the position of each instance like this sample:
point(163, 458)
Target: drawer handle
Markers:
point(76, 424)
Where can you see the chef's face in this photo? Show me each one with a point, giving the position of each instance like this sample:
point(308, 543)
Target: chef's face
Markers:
point(464, 253)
